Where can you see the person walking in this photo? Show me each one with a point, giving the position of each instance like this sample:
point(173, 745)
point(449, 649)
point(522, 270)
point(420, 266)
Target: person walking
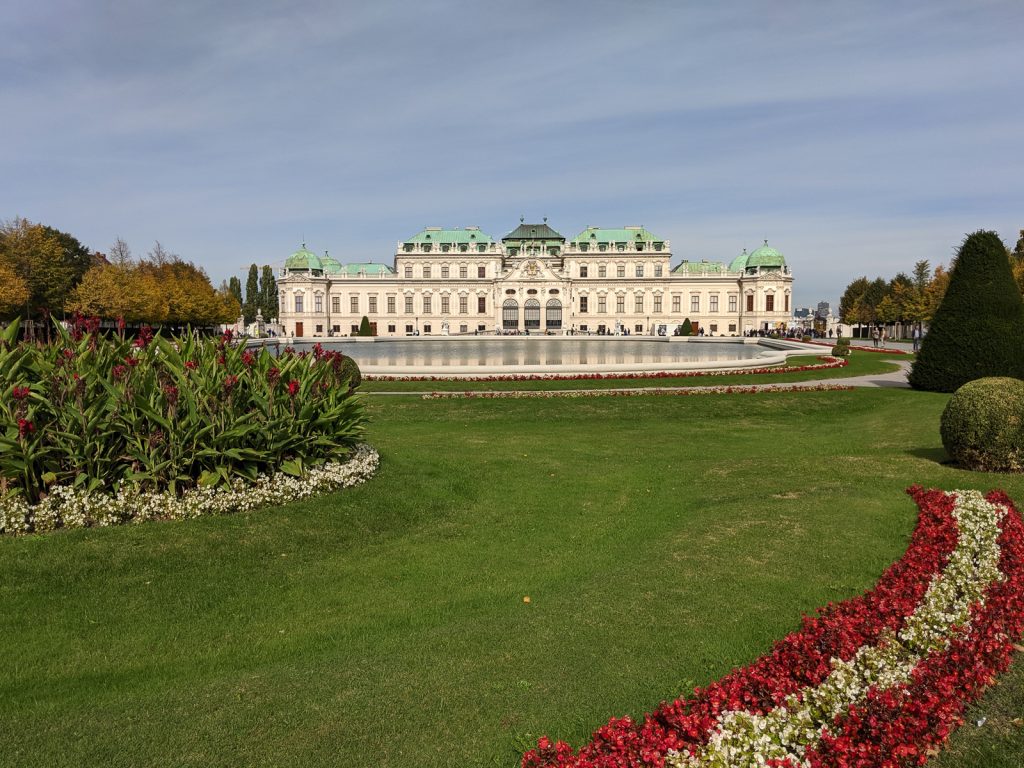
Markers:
point(917, 338)
point(874, 336)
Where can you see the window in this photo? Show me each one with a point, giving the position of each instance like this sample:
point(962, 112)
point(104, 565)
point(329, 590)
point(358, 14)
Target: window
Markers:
point(583, 305)
point(391, 328)
point(583, 270)
point(657, 302)
point(714, 327)
point(408, 271)
point(355, 330)
point(638, 328)
point(426, 271)
point(464, 328)
point(695, 303)
point(336, 304)
point(639, 270)
point(769, 303)
point(602, 270)
point(426, 305)
point(732, 327)
point(676, 301)
point(391, 305)
point(318, 303)
point(408, 305)
point(426, 328)
point(481, 248)
point(463, 305)
point(408, 328)
point(531, 314)
point(714, 304)
point(481, 271)
point(444, 273)
point(444, 305)
point(657, 270)
point(787, 303)
point(298, 303)
point(462, 272)
point(750, 303)
point(732, 303)
point(620, 303)
point(510, 315)
point(481, 305)
point(620, 270)
point(553, 315)
point(320, 329)
point(638, 303)
point(373, 305)
point(602, 305)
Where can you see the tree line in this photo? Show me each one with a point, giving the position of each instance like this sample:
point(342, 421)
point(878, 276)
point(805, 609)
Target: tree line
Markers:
point(260, 293)
point(909, 299)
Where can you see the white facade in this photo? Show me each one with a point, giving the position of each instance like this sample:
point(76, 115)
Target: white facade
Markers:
point(460, 281)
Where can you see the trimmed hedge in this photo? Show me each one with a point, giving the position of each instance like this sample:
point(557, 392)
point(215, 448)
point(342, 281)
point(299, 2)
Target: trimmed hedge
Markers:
point(983, 425)
point(978, 330)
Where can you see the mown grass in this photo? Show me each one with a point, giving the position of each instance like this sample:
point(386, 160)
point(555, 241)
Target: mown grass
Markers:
point(661, 541)
point(860, 364)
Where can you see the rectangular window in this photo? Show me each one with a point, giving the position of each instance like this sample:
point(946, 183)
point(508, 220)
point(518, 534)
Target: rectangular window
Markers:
point(583, 270)
point(657, 302)
point(750, 303)
point(298, 303)
point(695, 303)
point(583, 305)
point(462, 272)
point(336, 304)
point(426, 305)
point(373, 305)
point(426, 271)
point(620, 270)
point(787, 303)
point(318, 303)
point(602, 270)
point(769, 303)
point(391, 328)
point(391, 305)
point(408, 305)
point(481, 271)
point(676, 303)
point(732, 327)
point(620, 303)
point(714, 304)
point(444, 273)
point(481, 305)
point(732, 303)
point(714, 327)
point(657, 270)
point(463, 305)
point(639, 270)
point(444, 305)
point(638, 303)
point(354, 301)
point(602, 304)
point(408, 328)
point(408, 271)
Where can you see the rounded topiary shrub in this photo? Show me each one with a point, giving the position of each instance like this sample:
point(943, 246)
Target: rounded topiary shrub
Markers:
point(982, 425)
point(841, 350)
point(805, 339)
point(350, 370)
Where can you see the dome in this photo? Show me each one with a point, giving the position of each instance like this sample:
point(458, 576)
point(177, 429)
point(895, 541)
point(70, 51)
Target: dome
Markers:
point(303, 260)
point(766, 258)
point(331, 266)
point(740, 262)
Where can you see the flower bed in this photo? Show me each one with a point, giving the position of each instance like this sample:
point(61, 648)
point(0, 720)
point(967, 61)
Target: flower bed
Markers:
point(878, 680)
point(828, 362)
point(69, 507)
point(752, 389)
point(887, 350)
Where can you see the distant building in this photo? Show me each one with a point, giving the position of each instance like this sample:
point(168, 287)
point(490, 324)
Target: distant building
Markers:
point(459, 281)
point(824, 310)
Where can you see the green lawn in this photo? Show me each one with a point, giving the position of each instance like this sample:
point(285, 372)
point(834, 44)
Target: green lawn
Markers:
point(860, 364)
point(661, 540)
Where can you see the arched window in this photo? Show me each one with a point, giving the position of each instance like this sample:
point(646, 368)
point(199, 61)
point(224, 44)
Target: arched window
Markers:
point(532, 314)
point(510, 315)
point(553, 315)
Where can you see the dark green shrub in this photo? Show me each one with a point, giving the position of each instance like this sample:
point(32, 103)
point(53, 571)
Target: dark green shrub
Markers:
point(983, 425)
point(978, 330)
point(687, 329)
point(350, 371)
point(805, 338)
point(364, 327)
point(91, 411)
point(841, 350)
point(842, 342)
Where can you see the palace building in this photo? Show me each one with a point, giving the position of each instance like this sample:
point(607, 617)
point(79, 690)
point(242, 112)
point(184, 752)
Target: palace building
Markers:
point(462, 281)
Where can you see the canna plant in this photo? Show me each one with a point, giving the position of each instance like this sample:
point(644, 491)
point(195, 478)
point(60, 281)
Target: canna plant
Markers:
point(165, 415)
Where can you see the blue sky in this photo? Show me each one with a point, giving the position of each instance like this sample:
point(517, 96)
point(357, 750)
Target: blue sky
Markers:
point(857, 137)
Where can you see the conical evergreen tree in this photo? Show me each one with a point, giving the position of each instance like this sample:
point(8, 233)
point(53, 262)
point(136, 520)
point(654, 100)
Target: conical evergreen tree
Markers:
point(978, 330)
point(235, 289)
point(252, 294)
point(268, 293)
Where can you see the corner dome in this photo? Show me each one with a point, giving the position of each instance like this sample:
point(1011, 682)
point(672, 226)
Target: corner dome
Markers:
point(330, 265)
point(740, 262)
point(303, 260)
point(766, 258)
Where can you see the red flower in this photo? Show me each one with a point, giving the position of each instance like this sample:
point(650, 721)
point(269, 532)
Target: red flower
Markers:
point(20, 393)
point(131, 362)
point(119, 372)
point(191, 365)
point(25, 427)
point(293, 388)
point(248, 359)
point(145, 336)
point(120, 323)
point(230, 382)
point(273, 376)
point(171, 394)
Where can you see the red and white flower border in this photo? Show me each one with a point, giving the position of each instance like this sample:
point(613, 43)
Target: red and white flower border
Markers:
point(878, 680)
point(520, 394)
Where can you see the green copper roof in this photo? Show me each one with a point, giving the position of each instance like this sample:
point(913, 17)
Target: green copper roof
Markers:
point(740, 262)
point(456, 235)
point(700, 267)
point(533, 232)
point(623, 235)
point(331, 266)
point(367, 268)
point(303, 259)
point(766, 258)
